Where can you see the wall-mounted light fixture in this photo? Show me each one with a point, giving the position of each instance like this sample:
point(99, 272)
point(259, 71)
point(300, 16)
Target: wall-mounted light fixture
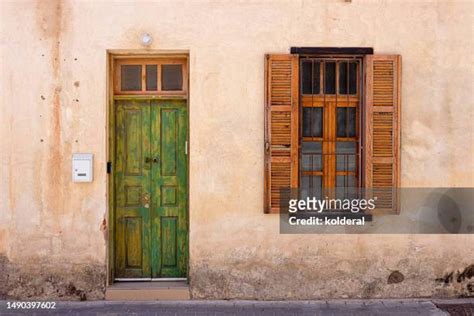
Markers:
point(146, 39)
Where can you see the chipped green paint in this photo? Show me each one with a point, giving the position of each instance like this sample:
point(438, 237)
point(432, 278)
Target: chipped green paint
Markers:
point(132, 181)
point(169, 175)
point(151, 223)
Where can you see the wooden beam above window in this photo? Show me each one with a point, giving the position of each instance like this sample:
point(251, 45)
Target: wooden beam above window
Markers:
point(332, 50)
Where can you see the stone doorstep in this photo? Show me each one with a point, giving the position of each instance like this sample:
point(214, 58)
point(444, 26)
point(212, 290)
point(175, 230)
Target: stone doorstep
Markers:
point(148, 291)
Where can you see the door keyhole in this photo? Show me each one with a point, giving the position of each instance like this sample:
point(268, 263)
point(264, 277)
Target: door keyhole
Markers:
point(149, 160)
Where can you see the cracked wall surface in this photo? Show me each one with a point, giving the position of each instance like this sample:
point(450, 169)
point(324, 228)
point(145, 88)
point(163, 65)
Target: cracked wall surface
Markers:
point(53, 93)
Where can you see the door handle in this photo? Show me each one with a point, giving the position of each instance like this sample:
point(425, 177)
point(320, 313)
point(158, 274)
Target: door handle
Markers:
point(154, 160)
point(146, 200)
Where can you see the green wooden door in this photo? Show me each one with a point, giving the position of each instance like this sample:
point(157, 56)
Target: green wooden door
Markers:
point(151, 189)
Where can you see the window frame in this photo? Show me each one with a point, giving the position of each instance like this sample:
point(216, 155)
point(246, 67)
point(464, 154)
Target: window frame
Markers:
point(346, 100)
point(154, 61)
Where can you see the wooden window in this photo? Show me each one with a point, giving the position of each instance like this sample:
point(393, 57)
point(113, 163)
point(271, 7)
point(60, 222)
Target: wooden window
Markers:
point(151, 76)
point(326, 127)
point(330, 137)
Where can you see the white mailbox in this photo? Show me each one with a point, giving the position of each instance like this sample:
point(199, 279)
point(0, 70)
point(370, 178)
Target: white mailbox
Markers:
point(82, 167)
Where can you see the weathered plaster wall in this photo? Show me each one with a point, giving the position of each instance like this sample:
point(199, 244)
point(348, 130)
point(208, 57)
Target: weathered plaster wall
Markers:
point(53, 103)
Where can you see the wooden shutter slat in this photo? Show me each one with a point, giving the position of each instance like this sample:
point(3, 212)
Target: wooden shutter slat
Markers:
point(382, 129)
point(281, 127)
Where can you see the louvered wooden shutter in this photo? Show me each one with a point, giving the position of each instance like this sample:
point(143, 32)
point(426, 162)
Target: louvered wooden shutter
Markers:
point(382, 129)
point(281, 127)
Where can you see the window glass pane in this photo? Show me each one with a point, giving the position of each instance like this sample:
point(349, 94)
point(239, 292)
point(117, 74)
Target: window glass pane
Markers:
point(343, 77)
point(151, 77)
point(346, 162)
point(351, 122)
point(341, 122)
point(347, 77)
point(346, 122)
point(346, 156)
point(311, 186)
point(353, 78)
point(131, 78)
point(346, 147)
point(316, 77)
point(311, 156)
point(307, 77)
point(330, 78)
point(312, 147)
point(171, 77)
point(313, 122)
point(348, 181)
point(346, 187)
point(311, 162)
point(311, 77)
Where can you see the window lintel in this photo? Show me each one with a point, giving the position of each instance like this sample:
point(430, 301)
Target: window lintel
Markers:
point(332, 50)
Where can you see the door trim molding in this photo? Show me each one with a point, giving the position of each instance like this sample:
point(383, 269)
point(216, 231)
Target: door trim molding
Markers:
point(109, 219)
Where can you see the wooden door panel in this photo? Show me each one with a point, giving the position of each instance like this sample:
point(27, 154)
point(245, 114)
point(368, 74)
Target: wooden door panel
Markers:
point(132, 186)
point(169, 141)
point(169, 189)
point(169, 237)
point(133, 149)
point(133, 232)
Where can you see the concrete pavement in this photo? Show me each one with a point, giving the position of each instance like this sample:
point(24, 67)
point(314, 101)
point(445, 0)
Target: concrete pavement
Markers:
point(254, 308)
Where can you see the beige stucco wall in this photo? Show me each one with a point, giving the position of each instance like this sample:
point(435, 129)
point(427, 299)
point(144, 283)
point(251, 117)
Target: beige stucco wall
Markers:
point(53, 103)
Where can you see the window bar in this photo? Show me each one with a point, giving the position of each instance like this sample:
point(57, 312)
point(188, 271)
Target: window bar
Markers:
point(347, 98)
point(347, 94)
point(310, 184)
point(159, 79)
point(347, 122)
point(300, 127)
point(334, 157)
point(143, 78)
point(347, 82)
point(359, 132)
point(323, 91)
point(312, 100)
point(348, 70)
point(346, 176)
point(311, 126)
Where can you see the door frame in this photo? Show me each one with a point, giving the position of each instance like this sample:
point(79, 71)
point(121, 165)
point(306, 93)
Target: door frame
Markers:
point(109, 220)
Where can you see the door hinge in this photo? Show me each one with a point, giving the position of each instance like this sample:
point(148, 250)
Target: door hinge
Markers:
point(186, 147)
point(109, 167)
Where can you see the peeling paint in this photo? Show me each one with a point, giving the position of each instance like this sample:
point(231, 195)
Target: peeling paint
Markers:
point(460, 279)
